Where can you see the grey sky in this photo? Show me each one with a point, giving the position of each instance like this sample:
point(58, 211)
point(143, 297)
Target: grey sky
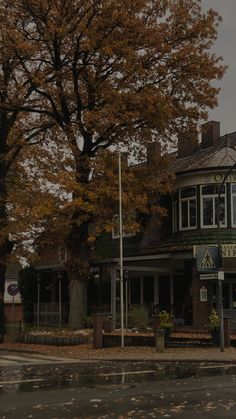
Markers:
point(226, 47)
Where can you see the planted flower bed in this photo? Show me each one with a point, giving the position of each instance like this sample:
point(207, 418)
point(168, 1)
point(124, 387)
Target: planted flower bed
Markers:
point(56, 338)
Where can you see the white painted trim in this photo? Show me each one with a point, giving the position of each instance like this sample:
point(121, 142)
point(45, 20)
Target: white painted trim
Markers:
point(190, 198)
point(231, 204)
point(213, 196)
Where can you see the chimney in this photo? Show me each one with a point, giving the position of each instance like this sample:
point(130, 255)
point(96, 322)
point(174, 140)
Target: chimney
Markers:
point(187, 143)
point(210, 134)
point(153, 151)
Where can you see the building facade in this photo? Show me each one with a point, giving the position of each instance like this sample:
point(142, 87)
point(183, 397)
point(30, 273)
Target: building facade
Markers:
point(160, 266)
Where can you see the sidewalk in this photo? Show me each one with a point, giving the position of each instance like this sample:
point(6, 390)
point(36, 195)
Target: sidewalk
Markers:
point(87, 353)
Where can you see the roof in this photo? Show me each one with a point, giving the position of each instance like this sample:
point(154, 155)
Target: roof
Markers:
point(223, 154)
point(206, 159)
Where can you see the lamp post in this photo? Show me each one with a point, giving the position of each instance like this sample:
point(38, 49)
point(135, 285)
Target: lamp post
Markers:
point(121, 257)
point(220, 261)
point(59, 276)
point(38, 297)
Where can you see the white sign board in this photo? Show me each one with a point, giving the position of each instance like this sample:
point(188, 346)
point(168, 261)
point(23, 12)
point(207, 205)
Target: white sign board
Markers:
point(9, 298)
point(203, 294)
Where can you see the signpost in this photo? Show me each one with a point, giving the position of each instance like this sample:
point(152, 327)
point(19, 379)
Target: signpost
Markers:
point(13, 290)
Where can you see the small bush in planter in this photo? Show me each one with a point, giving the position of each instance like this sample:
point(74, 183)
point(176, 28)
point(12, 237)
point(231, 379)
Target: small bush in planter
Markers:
point(138, 317)
point(214, 326)
point(214, 323)
point(165, 320)
point(166, 323)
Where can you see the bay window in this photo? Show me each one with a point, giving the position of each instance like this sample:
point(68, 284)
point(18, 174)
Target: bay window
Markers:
point(188, 208)
point(209, 204)
point(233, 204)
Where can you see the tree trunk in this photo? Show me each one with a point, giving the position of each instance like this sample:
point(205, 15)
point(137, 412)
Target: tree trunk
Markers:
point(2, 288)
point(78, 269)
point(78, 303)
point(5, 244)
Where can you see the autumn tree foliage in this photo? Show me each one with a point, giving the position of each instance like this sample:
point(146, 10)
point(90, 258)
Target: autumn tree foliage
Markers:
point(106, 73)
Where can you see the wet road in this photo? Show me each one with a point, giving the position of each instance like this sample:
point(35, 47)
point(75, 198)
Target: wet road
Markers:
point(117, 390)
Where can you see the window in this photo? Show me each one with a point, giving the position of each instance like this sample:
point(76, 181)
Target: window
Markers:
point(209, 203)
point(126, 231)
point(188, 208)
point(233, 204)
point(174, 212)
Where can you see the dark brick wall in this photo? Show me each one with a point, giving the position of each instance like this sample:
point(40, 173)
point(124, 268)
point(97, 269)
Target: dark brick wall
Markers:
point(201, 309)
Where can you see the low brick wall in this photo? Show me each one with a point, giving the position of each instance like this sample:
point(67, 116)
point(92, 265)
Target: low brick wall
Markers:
point(111, 341)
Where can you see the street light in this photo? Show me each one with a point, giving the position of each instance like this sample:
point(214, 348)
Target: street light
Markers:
point(220, 260)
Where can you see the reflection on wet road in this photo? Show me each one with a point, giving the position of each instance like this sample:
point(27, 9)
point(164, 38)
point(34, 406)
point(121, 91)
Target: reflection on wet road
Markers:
point(23, 378)
point(112, 389)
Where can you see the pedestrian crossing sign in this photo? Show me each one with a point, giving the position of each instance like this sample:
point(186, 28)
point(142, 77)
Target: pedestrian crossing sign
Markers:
point(207, 259)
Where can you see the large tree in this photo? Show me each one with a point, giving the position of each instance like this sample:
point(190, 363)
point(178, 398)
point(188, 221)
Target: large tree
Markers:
point(16, 131)
point(109, 72)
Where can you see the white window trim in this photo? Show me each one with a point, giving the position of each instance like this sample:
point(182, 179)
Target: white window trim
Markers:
point(203, 226)
point(62, 253)
point(125, 234)
point(231, 204)
point(180, 209)
point(174, 215)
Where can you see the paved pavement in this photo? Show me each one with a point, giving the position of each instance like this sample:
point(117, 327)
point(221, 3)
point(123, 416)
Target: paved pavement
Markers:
point(15, 358)
point(86, 353)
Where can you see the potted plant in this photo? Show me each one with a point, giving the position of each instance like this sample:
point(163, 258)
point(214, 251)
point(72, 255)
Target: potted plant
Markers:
point(214, 325)
point(166, 323)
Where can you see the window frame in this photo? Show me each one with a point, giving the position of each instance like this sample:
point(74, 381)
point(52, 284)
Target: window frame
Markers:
point(187, 199)
point(125, 234)
point(213, 196)
point(232, 194)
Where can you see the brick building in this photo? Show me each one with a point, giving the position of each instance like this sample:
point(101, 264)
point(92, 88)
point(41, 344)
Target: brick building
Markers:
point(160, 264)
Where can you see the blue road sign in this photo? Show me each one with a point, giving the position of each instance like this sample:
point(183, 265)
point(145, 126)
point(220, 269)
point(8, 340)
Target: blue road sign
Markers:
point(207, 259)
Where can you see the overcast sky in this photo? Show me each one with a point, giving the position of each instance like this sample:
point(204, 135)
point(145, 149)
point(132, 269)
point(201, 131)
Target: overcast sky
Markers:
point(226, 47)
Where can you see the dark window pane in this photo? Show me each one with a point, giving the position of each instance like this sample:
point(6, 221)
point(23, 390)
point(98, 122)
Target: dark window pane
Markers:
point(184, 213)
point(192, 212)
point(234, 296)
point(234, 209)
point(234, 188)
point(222, 211)
point(186, 193)
point(212, 190)
point(207, 211)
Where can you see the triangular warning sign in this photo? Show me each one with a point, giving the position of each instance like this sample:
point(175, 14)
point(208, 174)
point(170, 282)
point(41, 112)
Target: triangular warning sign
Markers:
point(207, 261)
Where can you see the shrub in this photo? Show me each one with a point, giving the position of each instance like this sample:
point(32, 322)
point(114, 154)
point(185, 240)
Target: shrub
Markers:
point(214, 320)
point(165, 319)
point(88, 322)
point(138, 317)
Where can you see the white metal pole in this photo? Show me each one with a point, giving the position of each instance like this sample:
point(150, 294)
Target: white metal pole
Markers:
point(38, 290)
point(121, 258)
point(60, 322)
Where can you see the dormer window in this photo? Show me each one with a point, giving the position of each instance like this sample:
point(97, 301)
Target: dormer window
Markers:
point(209, 204)
point(188, 208)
